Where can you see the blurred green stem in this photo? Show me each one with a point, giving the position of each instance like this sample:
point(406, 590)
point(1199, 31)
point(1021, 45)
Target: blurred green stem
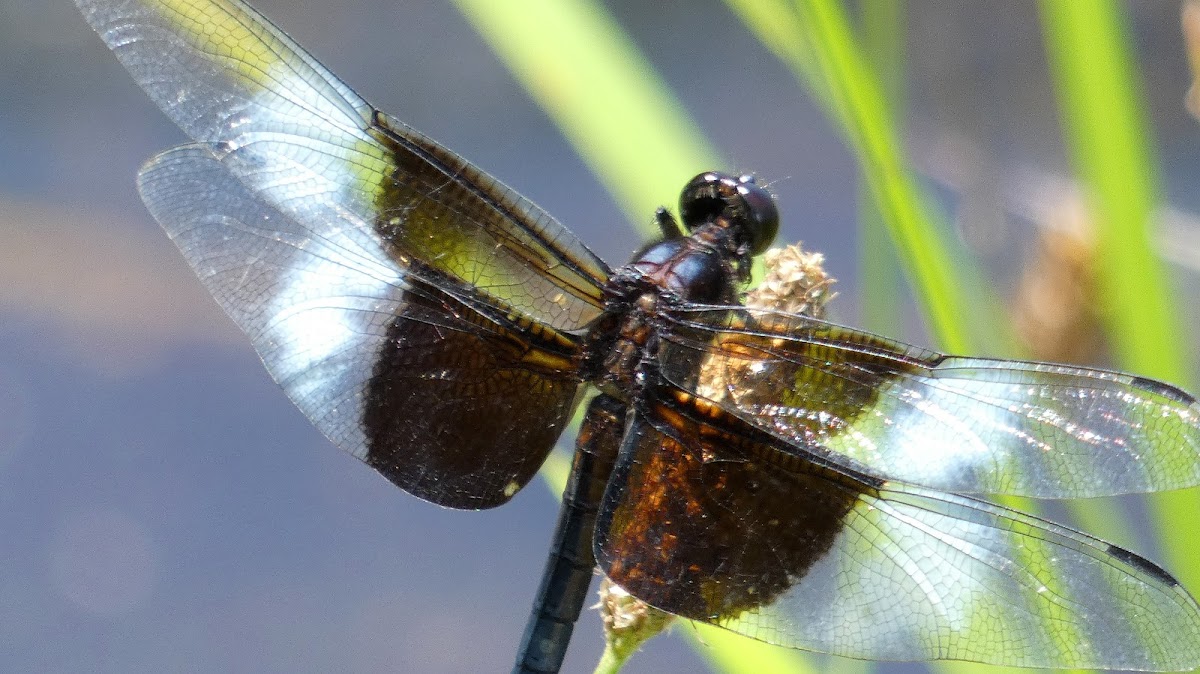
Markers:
point(1111, 143)
point(883, 32)
point(607, 99)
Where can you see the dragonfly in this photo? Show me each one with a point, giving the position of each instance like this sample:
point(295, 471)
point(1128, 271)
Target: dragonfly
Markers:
point(792, 480)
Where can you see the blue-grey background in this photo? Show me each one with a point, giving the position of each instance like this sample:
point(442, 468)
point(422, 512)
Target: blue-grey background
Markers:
point(163, 507)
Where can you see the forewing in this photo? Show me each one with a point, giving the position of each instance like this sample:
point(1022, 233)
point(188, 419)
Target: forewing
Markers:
point(706, 525)
point(452, 406)
point(318, 153)
point(956, 424)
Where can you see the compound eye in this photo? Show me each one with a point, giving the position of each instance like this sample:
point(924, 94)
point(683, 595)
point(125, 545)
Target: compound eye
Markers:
point(701, 200)
point(762, 218)
point(739, 200)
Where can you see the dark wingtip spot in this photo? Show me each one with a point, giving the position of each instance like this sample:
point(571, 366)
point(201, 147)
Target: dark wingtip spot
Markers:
point(1142, 564)
point(1165, 390)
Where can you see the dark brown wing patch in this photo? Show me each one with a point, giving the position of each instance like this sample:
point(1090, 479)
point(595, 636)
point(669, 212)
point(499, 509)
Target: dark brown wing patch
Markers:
point(696, 524)
point(462, 411)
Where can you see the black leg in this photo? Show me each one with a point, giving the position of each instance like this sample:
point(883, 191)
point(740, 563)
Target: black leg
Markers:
point(667, 224)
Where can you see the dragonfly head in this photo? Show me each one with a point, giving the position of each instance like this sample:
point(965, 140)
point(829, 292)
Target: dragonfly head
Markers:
point(744, 207)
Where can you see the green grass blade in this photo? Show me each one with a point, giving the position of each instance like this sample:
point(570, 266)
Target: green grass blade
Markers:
point(1111, 140)
point(859, 100)
point(603, 94)
point(880, 275)
point(814, 39)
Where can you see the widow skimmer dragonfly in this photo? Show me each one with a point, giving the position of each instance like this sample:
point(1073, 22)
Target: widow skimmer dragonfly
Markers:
point(799, 482)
